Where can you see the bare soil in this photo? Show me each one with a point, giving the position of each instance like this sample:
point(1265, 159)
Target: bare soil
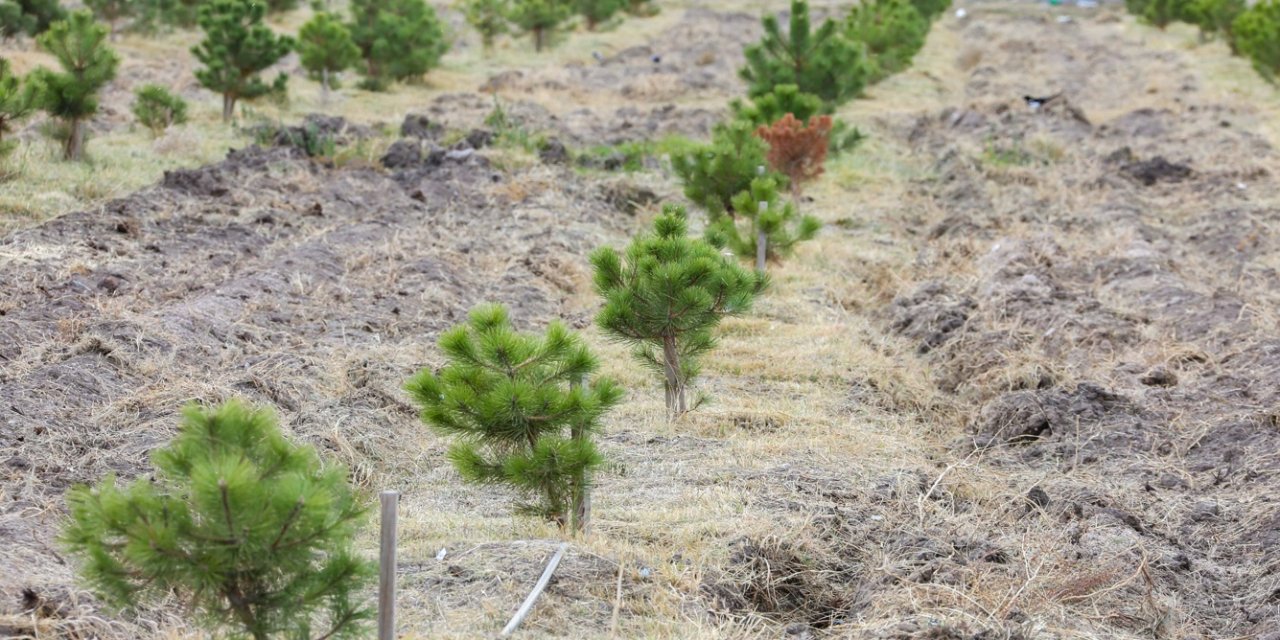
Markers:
point(1026, 384)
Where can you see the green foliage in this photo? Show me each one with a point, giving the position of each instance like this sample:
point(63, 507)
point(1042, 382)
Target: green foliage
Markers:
point(824, 62)
point(1257, 34)
point(398, 39)
point(713, 174)
point(632, 155)
point(769, 107)
point(111, 11)
point(32, 17)
point(325, 47)
point(540, 18)
point(157, 109)
point(87, 64)
point(16, 103)
point(520, 408)
point(596, 12)
point(255, 531)
point(666, 294)
point(236, 48)
point(781, 225)
point(892, 31)
point(489, 17)
point(1162, 13)
point(178, 13)
point(280, 6)
point(931, 9)
point(1215, 17)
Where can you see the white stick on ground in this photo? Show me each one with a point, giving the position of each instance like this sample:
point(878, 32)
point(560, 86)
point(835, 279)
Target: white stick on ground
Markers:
point(387, 567)
point(537, 591)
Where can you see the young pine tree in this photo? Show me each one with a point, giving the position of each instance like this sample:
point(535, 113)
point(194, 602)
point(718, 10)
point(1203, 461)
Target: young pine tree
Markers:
point(326, 48)
point(157, 109)
point(254, 531)
point(236, 48)
point(15, 104)
point(823, 62)
point(521, 409)
point(398, 39)
point(87, 63)
point(797, 150)
point(1215, 17)
point(1162, 13)
point(489, 18)
point(111, 11)
point(596, 12)
point(767, 228)
point(714, 174)
point(32, 17)
point(892, 31)
point(770, 107)
point(540, 18)
point(1257, 34)
point(666, 294)
point(13, 21)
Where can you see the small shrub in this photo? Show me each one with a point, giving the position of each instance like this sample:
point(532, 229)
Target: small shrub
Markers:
point(32, 17)
point(893, 31)
point(666, 294)
point(521, 409)
point(713, 174)
point(16, 103)
point(88, 64)
point(326, 48)
point(254, 531)
point(596, 12)
point(157, 109)
point(400, 40)
point(540, 18)
point(797, 150)
point(1257, 34)
point(489, 18)
point(111, 11)
point(1215, 18)
point(236, 49)
point(779, 225)
point(823, 62)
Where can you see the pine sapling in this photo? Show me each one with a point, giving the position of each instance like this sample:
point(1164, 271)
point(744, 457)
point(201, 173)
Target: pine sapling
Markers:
point(522, 408)
point(111, 11)
point(666, 294)
point(32, 17)
point(892, 31)
point(400, 40)
point(796, 150)
point(822, 62)
point(1257, 34)
point(87, 63)
point(157, 109)
point(770, 232)
point(1215, 17)
point(236, 49)
point(768, 108)
point(326, 48)
point(489, 18)
point(16, 103)
point(596, 12)
point(712, 175)
point(540, 18)
point(253, 531)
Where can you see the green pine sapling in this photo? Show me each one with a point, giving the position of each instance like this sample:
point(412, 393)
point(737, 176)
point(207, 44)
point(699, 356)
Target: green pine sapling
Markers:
point(893, 31)
point(1257, 34)
point(713, 174)
point(32, 17)
point(823, 62)
point(326, 48)
point(489, 18)
point(400, 40)
point(237, 47)
point(1215, 17)
point(254, 531)
point(540, 18)
point(111, 11)
point(666, 294)
point(87, 63)
point(596, 12)
point(16, 103)
point(522, 409)
point(157, 109)
point(766, 228)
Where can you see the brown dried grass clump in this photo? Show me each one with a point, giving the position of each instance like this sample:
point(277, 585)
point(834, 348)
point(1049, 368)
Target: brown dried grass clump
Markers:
point(796, 149)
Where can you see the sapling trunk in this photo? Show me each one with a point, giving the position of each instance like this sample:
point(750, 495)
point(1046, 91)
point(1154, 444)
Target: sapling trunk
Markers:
point(675, 386)
point(324, 86)
point(581, 503)
point(538, 35)
point(228, 107)
point(74, 149)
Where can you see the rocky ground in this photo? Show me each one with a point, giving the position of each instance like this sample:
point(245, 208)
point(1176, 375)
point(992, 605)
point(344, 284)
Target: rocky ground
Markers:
point(1025, 385)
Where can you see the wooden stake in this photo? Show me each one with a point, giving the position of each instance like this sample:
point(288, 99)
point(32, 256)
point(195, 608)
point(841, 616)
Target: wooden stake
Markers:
point(537, 591)
point(387, 567)
point(762, 241)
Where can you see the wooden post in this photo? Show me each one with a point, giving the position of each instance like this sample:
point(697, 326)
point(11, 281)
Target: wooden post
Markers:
point(387, 567)
point(762, 241)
